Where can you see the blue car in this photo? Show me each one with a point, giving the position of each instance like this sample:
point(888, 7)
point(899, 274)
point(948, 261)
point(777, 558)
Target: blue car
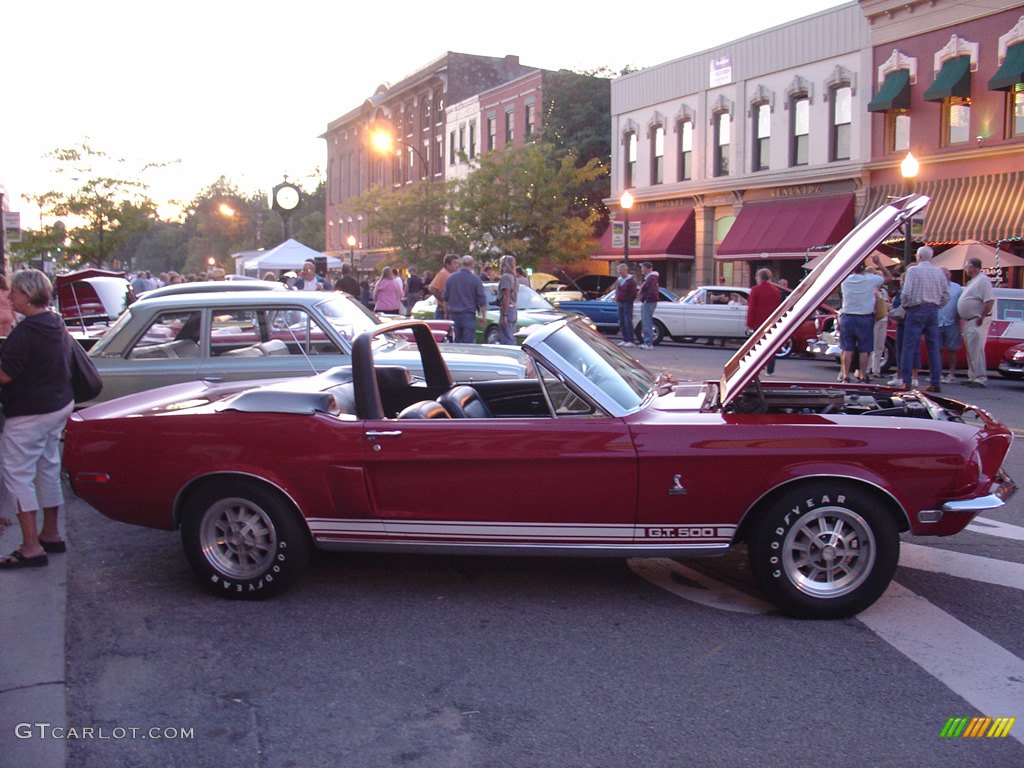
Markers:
point(604, 312)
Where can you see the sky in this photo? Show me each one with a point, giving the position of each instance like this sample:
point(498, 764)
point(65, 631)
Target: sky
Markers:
point(243, 89)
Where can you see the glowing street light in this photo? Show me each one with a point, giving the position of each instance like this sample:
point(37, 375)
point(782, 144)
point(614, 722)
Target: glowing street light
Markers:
point(908, 169)
point(352, 252)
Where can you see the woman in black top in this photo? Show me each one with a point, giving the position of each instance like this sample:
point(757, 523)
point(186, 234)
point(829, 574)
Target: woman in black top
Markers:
point(35, 389)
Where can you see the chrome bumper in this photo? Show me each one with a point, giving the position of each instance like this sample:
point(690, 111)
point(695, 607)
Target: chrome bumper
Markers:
point(1002, 489)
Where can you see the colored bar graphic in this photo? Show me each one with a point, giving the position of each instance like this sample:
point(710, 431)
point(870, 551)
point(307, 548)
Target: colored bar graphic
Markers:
point(977, 727)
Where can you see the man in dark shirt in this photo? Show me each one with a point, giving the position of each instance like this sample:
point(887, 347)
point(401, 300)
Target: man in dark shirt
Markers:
point(648, 295)
point(346, 282)
point(464, 296)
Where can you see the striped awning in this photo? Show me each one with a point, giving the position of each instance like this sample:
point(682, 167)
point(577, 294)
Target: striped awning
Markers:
point(986, 208)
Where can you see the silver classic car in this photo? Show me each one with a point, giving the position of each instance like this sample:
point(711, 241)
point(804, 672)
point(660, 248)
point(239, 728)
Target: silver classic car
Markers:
point(232, 336)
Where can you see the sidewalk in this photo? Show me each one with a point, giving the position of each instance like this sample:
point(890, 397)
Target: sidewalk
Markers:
point(32, 669)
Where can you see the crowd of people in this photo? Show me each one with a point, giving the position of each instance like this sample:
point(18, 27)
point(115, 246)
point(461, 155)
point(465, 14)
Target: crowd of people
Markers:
point(929, 307)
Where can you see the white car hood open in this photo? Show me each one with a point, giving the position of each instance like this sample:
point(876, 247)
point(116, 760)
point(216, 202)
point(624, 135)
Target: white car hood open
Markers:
point(801, 303)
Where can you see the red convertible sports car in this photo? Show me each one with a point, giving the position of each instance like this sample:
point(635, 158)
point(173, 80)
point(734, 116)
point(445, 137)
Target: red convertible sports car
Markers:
point(817, 481)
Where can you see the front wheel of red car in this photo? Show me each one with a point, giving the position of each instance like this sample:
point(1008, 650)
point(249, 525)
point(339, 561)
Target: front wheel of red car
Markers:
point(244, 541)
point(825, 551)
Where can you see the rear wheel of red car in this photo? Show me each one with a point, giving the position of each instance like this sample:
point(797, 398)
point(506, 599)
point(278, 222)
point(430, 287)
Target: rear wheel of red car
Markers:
point(825, 551)
point(244, 541)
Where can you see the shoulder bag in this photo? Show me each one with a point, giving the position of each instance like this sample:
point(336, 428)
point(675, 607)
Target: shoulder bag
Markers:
point(86, 382)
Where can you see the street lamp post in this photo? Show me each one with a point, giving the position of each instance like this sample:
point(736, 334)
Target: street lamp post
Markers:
point(384, 143)
point(352, 252)
point(625, 202)
point(908, 169)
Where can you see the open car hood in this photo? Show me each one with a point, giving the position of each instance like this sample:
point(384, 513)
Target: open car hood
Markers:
point(801, 303)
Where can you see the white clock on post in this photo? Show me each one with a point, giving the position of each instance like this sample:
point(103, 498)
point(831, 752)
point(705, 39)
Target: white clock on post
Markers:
point(286, 199)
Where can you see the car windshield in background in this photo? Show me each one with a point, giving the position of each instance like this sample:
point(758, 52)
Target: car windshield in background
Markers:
point(526, 298)
point(349, 318)
point(603, 364)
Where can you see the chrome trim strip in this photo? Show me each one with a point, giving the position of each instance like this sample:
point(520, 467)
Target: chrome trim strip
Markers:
point(553, 550)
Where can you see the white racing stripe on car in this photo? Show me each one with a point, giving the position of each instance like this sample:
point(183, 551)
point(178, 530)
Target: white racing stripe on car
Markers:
point(984, 674)
point(664, 572)
point(996, 528)
point(983, 569)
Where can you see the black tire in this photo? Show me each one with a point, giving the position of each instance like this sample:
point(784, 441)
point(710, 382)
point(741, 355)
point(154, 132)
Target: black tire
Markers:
point(786, 350)
point(825, 550)
point(491, 335)
point(660, 333)
point(243, 540)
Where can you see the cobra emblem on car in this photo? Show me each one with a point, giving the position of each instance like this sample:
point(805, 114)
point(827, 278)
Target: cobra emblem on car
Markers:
point(677, 489)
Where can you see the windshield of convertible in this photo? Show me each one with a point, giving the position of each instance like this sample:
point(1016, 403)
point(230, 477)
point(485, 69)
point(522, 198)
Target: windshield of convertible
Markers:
point(605, 366)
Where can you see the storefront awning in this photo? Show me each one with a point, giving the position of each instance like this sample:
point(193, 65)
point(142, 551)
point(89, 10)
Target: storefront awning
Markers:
point(953, 80)
point(894, 93)
point(785, 229)
point(986, 208)
point(665, 233)
point(1011, 72)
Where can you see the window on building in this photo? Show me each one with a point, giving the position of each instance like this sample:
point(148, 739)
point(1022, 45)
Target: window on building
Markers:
point(462, 140)
point(510, 123)
point(472, 139)
point(451, 148)
point(762, 132)
point(723, 125)
point(406, 119)
point(437, 158)
point(425, 104)
point(630, 170)
point(492, 132)
point(685, 132)
point(800, 109)
point(530, 127)
point(898, 133)
point(658, 155)
point(439, 107)
point(956, 120)
point(842, 117)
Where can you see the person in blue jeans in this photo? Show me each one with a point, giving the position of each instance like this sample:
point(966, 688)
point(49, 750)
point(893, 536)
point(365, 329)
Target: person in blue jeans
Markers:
point(925, 290)
point(648, 296)
point(625, 295)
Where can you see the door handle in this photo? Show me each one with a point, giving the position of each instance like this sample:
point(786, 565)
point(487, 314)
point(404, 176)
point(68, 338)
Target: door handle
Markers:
point(373, 434)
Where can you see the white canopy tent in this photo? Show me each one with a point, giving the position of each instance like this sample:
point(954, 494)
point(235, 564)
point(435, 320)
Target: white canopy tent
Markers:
point(290, 254)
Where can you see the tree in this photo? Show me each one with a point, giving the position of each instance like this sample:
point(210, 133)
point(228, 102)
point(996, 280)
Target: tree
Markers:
point(111, 208)
point(529, 202)
point(410, 221)
point(577, 120)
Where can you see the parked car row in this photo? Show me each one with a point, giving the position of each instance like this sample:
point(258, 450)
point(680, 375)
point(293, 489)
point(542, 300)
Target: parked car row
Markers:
point(706, 312)
point(533, 310)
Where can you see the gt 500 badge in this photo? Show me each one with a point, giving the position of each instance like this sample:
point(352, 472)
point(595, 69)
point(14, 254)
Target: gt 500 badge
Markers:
point(688, 532)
